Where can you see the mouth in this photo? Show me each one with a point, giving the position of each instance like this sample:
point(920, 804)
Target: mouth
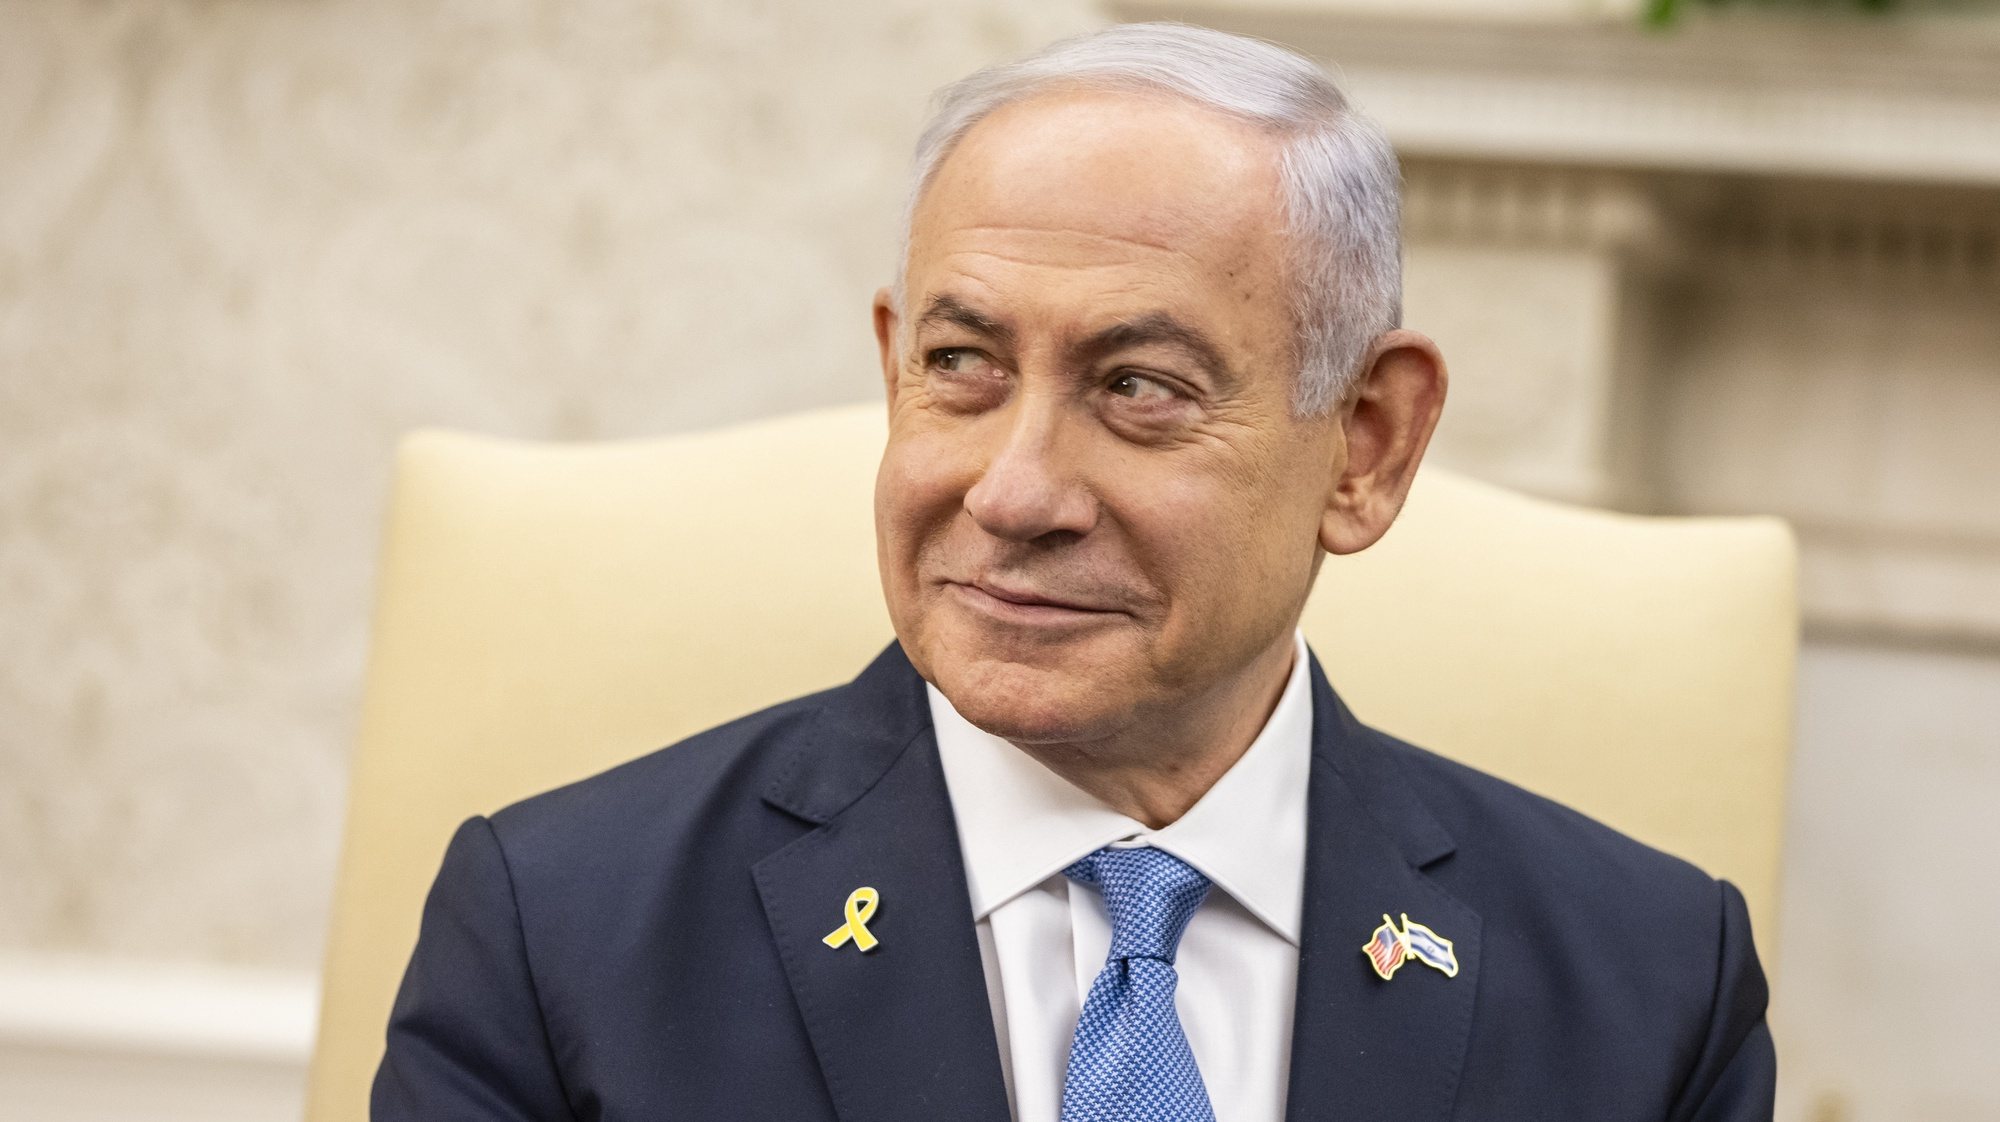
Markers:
point(1026, 606)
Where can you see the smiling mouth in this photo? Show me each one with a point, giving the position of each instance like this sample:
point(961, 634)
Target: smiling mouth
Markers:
point(1019, 606)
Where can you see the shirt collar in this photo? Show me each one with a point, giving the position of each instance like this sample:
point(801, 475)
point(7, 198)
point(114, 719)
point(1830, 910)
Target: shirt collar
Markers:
point(1020, 823)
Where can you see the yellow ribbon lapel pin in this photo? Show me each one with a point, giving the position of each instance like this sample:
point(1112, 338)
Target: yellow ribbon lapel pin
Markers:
point(860, 908)
point(1389, 948)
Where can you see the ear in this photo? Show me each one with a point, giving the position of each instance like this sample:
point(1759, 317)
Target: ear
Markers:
point(885, 340)
point(1385, 423)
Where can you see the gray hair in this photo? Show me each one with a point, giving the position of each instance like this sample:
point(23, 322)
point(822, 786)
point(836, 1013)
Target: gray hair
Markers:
point(1340, 179)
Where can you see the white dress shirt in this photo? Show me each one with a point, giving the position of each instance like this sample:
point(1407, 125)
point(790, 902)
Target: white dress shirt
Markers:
point(1043, 940)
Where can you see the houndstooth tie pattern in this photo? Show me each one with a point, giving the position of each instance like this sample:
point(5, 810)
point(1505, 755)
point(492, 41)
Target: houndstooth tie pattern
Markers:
point(1130, 1061)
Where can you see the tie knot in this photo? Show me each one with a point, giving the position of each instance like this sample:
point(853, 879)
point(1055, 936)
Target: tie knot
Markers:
point(1150, 893)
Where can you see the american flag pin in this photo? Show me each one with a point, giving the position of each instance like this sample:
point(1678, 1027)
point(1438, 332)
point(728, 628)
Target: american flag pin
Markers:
point(1390, 947)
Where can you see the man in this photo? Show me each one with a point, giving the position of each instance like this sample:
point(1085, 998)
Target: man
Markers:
point(1094, 839)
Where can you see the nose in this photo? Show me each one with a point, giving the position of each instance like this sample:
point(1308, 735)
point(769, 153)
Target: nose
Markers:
point(1031, 486)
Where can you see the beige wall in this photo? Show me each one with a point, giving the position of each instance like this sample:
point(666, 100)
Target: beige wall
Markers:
point(245, 244)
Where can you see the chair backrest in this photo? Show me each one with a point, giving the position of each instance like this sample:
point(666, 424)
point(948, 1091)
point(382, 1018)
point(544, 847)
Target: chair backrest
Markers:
point(548, 610)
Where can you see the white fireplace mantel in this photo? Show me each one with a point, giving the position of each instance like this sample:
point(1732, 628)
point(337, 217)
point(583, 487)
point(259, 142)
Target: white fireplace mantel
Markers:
point(1580, 83)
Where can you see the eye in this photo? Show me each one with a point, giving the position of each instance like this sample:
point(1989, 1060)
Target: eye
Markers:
point(1141, 388)
point(957, 360)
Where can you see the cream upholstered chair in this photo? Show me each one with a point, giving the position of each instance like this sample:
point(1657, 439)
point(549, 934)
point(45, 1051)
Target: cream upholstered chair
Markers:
point(547, 611)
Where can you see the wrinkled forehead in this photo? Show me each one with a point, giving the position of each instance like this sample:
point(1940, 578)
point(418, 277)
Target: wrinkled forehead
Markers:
point(1107, 179)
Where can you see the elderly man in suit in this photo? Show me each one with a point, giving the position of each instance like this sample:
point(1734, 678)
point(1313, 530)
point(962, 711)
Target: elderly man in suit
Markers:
point(1094, 838)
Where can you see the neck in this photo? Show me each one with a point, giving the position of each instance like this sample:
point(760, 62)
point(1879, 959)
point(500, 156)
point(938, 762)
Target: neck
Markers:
point(1161, 765)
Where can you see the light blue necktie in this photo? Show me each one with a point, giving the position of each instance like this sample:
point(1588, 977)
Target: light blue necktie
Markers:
point(1130, 1061)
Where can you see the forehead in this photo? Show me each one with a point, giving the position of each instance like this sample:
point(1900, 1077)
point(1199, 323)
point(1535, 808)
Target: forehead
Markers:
point(1142, 193)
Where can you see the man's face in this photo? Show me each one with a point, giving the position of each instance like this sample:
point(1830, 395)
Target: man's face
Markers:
point(1096, 506)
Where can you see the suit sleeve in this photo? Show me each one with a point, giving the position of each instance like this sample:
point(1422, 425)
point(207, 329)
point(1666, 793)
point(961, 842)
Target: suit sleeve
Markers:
point(466, 1037)
point(1735, 1077)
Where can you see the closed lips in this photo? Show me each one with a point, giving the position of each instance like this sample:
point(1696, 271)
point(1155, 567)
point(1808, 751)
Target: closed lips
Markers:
point(1034, 599)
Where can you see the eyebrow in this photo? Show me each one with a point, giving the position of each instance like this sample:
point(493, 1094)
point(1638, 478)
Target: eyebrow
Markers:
point(951, 311)
point(1161, 329)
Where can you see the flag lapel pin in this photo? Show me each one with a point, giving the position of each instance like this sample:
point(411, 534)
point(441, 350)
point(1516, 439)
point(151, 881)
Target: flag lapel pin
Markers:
point(1390, 947)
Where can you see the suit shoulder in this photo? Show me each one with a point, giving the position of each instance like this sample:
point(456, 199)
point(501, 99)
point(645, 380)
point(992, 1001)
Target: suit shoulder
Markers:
point(1581, 925)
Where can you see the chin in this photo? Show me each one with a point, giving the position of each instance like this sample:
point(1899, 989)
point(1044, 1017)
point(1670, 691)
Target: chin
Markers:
point(1039, 701)
point(1022, 706)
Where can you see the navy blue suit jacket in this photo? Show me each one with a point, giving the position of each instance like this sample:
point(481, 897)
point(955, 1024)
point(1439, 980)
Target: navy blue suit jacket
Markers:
point(646, 944)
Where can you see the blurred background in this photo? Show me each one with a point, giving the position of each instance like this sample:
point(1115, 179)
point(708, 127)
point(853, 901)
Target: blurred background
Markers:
point(1684, 258)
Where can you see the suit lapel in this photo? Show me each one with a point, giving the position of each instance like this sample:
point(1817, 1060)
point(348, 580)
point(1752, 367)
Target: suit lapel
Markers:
point(903, 1030)
point(1363, 1046)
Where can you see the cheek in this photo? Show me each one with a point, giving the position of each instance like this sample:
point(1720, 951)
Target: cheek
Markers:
point(1221, 545)
point(917, 493)
point(1186, 530)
